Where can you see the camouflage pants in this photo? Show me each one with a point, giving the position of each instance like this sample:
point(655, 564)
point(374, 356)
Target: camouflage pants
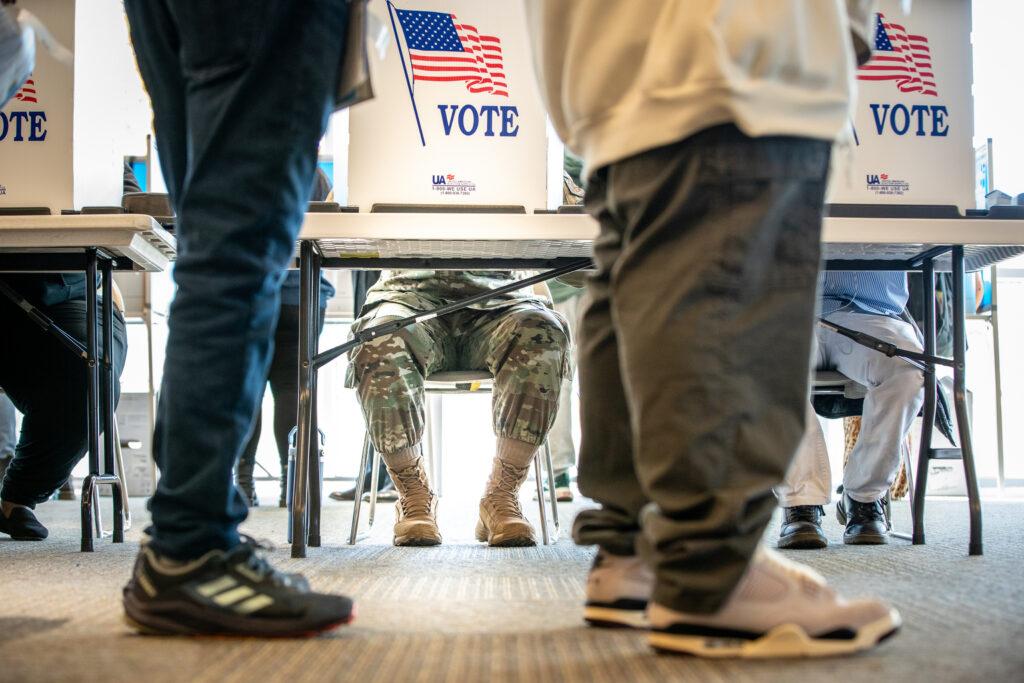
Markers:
point(523, 345)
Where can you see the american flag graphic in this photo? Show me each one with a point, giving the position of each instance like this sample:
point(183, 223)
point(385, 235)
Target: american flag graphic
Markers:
point(27, 92)
point(902, 57)
point(443, 49)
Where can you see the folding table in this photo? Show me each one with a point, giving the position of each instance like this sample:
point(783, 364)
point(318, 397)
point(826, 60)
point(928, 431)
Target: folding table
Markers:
point(91, 243)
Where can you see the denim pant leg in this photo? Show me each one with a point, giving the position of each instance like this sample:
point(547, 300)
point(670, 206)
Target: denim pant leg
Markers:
point(48, 385)
point(241, 91)
point(711, 290)
point(8, 427)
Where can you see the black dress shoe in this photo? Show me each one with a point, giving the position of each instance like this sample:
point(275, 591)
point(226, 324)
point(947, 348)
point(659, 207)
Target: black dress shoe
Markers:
point(865, 522)
point(801, 528)
point(385, 491)
point(22, 525)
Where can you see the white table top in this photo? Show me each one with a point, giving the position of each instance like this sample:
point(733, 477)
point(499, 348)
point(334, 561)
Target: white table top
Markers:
point(136, 237)
point(544, 236)
point(460, 235)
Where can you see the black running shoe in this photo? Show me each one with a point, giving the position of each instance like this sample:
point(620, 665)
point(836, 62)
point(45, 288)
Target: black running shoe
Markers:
point(22, 525)
point(801, 528)
point(236, 592)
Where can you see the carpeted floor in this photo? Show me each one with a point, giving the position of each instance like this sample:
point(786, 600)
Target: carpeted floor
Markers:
point(466, 613)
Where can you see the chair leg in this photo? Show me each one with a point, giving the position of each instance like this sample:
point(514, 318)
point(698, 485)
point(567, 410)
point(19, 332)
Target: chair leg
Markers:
point(358, 501)
point(119, 464)
point(551, 488)
point(540, 499)
point(374, 483)
point(435, 439)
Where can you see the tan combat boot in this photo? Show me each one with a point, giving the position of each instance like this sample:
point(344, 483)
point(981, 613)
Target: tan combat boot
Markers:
point(501, 519)
point(416, 509)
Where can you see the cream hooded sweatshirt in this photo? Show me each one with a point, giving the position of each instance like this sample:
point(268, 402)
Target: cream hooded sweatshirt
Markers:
point(623, 76)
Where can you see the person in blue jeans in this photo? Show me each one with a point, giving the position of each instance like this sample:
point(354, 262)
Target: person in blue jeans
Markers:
point(241, 93)
point(47, 383)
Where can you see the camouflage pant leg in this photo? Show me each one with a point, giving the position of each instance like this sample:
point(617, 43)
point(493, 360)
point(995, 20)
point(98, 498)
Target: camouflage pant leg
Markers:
point(526, 348)
point(388, 375)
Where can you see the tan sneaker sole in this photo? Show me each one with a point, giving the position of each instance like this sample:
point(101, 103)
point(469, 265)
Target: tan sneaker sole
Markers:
point(518, 537)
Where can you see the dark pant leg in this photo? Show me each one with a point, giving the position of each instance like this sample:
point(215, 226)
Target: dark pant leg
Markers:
point(247, 460)
point(605, 471)
point(284, 376)
point(248, 85)
point(48, 384)
point(713, 300)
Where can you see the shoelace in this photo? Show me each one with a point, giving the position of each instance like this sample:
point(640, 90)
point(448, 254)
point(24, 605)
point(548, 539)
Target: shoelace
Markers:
point(508, 483)
point(871, 512)
point(805, 513)
point(258, 563)
point(413, 502)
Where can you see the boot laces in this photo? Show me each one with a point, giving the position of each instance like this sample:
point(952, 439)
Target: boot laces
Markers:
point(508, 483)
point(415, 493)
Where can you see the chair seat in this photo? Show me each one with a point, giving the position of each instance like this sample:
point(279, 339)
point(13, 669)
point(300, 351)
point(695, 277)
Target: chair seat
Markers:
point(826, 382)
point(459, 381)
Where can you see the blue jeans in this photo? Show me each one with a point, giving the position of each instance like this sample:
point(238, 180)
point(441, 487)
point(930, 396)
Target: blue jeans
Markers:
point(47, 383)
point(241, 92)
point(8, 428)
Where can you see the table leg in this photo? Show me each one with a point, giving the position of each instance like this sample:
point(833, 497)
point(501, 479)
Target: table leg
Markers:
point(313, 457)
point(930, 398)
point(93, 393)
point(300, 481)
point(960, 399)
point(107, 383)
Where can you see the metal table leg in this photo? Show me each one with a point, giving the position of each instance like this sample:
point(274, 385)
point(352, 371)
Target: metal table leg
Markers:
point(93, 414)
point(107, 375)
point(300, 481)
point(930, 399)
point(960, 399)
point(313, 456)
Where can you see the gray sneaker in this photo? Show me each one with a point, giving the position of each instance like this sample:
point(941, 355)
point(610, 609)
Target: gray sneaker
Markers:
point(618, 589)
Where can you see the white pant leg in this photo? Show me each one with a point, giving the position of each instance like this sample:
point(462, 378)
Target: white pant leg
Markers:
point(894, 397)
point(809, 479)
point(563, 450)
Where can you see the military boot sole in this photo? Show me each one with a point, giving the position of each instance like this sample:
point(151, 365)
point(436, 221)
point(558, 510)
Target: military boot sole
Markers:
point(866, 538)
point(421, 535)
point(516, 538)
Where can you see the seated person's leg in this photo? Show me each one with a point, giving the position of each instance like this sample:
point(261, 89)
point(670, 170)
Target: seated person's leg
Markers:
point(526, 349)
point(806, 490)
point(895, 394)
point(47, 383)
point(388, 374)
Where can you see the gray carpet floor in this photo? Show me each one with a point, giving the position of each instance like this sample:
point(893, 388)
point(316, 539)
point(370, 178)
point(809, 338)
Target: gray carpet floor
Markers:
point(463, 612)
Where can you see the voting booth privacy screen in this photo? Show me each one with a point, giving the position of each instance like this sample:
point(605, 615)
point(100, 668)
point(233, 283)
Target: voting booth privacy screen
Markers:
point(911, 137)
point(36, 125)
point(457, 117)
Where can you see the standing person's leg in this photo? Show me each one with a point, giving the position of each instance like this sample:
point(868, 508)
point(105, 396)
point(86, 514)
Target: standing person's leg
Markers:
point(246, 465)
point(563, 450)
point(719, 258)
point(894, 397)
point(284, 383)
point(241, 95)
point(526, 349)
point(48, 385)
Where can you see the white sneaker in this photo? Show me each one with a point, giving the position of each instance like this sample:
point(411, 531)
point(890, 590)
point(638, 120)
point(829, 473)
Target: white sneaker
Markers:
point(779, 609)
point(618, 589)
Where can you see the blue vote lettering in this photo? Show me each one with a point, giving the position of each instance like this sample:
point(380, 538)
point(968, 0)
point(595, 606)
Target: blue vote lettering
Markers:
point(488, 120)
point(923, 120)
